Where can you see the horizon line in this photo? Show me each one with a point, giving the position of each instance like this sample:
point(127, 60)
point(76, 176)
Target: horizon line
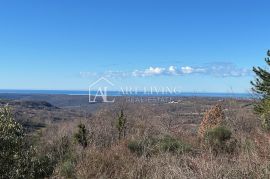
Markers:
point(139, 91)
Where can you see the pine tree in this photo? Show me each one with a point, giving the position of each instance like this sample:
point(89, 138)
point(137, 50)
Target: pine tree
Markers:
point(81, 135)
point(261, 86)
point(121, 125)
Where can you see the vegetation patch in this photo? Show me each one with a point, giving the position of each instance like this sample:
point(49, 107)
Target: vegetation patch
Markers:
point(151, 146)
point(220, 140)
point(170, 144)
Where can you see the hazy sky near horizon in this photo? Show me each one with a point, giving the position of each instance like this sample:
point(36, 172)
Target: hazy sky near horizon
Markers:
point(192, 45)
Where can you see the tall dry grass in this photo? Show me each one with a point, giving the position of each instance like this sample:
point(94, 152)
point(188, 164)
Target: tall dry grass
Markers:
point(107, 157)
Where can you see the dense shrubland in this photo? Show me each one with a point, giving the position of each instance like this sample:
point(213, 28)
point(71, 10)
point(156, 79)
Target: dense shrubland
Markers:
point(149, 147)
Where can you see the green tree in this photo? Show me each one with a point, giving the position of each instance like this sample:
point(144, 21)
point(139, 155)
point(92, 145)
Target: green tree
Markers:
point(261, 86)
point(81, 135)
point(11, 145)
point(121, 125)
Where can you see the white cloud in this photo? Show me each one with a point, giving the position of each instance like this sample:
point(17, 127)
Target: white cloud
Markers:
point(172, 70)
point(187, 70)
point(226, 70)
point(211, 69)
point(154, 71)
point(151, 71)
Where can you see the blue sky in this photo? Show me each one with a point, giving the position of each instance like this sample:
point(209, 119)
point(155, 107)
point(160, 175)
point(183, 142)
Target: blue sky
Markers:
point(194, 45)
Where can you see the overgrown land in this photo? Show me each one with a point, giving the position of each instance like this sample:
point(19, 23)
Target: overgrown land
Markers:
point(49, 137)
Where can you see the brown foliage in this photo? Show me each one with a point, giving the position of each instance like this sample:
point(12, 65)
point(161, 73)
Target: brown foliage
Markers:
point(212, 118)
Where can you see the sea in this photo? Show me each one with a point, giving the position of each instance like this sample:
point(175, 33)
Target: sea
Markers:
point(119, 93)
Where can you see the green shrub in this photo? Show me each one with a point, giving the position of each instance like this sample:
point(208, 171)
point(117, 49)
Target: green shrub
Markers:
point(219, 139)
point(43, 166)
point(146, 146)
point(11, 145)
point(170, 144)
point(67, 159)
point(218, 135)
point(151, 146)
point(20, 156)
point(263, 109)
point(46, 157)
point(81, 135)
point(121, 125)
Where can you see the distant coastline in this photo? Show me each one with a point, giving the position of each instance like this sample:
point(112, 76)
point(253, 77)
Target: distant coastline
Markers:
point(119, 93)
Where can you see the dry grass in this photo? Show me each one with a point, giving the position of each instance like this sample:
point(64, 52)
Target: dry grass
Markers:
point(106, 157)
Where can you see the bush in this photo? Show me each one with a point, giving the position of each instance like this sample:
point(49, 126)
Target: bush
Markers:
point(218, 135)
point(146, 146)
point(67, 159)
point(11, 145)
point(169, 144)
point(18, 157)
point(219, 139)
point(81, 135)
point(121, 125)
point(151, 146)
point(263, 109)
point(45, 158)
point(43, 166)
